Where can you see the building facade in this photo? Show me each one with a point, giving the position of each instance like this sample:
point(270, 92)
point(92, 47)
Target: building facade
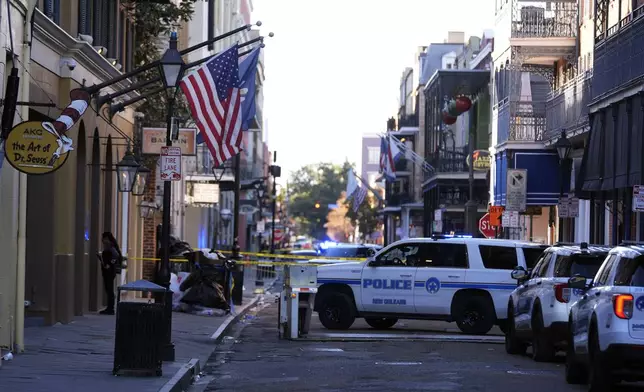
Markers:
point(58, 218)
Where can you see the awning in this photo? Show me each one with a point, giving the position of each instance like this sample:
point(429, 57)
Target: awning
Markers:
point(454, 82)
point(613, 155)
point(543, 175)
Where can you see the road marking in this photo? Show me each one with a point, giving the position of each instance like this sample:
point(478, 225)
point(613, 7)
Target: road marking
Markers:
point(399, 363)
point(326, 349)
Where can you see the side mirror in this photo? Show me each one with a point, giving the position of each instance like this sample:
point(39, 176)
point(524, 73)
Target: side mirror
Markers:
point(577, 282)
point(519, 273)
point(374, 263)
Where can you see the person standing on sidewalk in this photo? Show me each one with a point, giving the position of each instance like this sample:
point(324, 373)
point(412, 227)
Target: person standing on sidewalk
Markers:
point(111, 259)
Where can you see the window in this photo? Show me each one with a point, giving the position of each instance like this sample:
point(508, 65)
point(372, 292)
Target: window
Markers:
point(443, 255)
point(84, 20)
point(541, 269)
point(498, 257)
point(630, 272)
point(374, 155)
point(585, 265)
point(51, 9)
point(405, 255)
point(604, 272)
point(532, 256)
point(347, 251)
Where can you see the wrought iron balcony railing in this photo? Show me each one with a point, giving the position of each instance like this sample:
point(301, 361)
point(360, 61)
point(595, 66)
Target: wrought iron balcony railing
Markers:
point(544, 19)
point(521, 119)
point(567, 107)
point(408, 121)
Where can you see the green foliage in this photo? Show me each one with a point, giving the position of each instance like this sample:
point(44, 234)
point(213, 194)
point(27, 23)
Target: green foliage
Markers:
point(321, 184)
point(153, 23)
point(366, 217)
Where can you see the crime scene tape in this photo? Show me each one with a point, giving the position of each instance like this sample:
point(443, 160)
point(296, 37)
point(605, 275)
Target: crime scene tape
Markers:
point(264, 262)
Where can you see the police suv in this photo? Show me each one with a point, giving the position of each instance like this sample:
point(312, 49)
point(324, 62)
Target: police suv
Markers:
point(466, 280)
point(538, 308)
point(606, 334)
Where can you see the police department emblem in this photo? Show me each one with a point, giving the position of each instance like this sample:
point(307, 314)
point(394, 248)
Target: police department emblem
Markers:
point(432, 285)
point(639, 303)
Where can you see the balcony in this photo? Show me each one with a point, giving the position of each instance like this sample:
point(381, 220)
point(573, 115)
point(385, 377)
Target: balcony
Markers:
point(404, 166)
point(619, 55)
point(523, 120)
point(452, 160)
point(407, 121)
point(251, 171)
point(567, 107)
point(397, 199)
point(541, 19)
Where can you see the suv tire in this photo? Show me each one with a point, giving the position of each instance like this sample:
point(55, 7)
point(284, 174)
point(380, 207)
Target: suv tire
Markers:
point(542, 348)
point(513, 346)
point(381, 323)
point(475, 315)
point(599, 377)
point(337, 311)
point(576, 373)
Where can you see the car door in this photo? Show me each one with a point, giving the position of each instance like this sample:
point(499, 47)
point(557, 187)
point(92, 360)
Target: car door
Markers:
point(528, 293)
point(586, 304)
point(388, 281)
point(440, 273)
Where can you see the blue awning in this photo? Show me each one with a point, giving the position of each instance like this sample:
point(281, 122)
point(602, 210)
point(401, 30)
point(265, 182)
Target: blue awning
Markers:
point(543, 175)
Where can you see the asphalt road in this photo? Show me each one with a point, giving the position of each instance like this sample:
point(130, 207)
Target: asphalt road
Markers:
point(253, 358)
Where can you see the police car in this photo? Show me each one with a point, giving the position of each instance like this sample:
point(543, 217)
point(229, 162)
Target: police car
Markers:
point(606, 334)
point(466, 280)
point(538, 308)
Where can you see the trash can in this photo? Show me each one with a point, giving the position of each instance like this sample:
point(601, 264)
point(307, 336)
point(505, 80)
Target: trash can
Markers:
point(140, 330)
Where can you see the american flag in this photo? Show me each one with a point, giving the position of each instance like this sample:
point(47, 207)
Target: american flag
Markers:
point(213, 95)
point(359, 197)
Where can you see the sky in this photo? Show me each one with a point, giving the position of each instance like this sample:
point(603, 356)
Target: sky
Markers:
point(333, 67)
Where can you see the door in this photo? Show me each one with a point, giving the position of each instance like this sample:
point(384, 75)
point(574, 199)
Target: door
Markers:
point(526, 294)
point(388, 281)
point(629, 279)
point(440, 273)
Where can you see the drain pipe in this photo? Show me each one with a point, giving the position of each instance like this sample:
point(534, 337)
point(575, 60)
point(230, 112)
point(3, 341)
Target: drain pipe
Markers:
point(22, 180)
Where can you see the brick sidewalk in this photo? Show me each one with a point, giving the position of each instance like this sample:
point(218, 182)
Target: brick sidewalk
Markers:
point(79, 356)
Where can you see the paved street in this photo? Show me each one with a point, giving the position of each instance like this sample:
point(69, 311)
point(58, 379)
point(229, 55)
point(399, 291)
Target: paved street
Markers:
point(252, 358)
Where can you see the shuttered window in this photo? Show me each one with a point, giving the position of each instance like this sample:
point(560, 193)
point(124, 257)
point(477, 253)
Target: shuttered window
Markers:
point(122, 38)
point(84, 21)
point(51, 9)
point(112, 28)
point(97, 22)
point(129, 47)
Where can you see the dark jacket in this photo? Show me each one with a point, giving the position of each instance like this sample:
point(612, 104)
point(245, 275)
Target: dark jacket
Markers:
point(203, 287)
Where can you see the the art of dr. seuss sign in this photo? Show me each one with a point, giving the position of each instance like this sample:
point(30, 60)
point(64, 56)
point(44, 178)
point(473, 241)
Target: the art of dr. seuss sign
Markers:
point(154, 139)
point(35, 147)
point(31, 149)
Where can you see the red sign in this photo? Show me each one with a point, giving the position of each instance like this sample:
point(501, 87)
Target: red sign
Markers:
point(278, 235)
point(485, 227)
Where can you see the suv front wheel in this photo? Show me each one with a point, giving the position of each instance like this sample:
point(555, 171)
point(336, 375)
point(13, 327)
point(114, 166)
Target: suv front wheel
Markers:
point(337, 311)
point(381, 323)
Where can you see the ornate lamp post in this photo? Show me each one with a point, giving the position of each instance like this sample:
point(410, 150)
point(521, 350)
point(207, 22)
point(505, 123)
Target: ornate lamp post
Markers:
point(564, 147)
point(127, 169)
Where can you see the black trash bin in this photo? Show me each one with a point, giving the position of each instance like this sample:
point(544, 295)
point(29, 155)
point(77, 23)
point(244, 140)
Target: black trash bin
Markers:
point(140, 330)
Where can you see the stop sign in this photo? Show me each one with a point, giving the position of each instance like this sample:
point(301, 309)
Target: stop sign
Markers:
point(485, 226)
point(278, 235)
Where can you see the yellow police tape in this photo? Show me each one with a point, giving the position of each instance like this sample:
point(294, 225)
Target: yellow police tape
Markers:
point(265, 262)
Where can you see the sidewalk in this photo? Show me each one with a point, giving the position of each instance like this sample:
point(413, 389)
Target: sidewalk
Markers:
point(79, 356)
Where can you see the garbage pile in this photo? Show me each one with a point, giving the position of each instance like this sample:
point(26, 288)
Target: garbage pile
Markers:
point(201, 291)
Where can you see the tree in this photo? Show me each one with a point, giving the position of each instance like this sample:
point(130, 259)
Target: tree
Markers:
point(311, 189)
point(366, 218)
point(338, 226)
point(153, 22)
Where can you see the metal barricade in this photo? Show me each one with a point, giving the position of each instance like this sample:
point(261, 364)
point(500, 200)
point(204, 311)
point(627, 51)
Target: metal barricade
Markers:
point(296, 300)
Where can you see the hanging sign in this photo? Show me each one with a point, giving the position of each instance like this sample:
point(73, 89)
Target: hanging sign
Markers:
point(481, 160)
point(517, 190)
point(31, 149)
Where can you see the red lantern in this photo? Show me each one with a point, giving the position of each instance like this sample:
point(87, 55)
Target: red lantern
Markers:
point(463, 104)
point(452, 109)
point(447, 119)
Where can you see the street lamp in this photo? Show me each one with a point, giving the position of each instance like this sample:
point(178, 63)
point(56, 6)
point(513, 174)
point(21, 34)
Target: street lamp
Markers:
point(261, 192)
point(147, 209)
point(218, 172)
point(564, 147)
point(171, 69)
point(140, 181)
point(127, 170)
point(171, 66)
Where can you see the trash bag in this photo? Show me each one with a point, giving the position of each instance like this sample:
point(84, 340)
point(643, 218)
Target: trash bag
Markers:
point(202, 288)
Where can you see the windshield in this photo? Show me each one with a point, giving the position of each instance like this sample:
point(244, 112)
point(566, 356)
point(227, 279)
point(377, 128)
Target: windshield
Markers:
point(346, 252)
point(532, 255)
point(585, 265)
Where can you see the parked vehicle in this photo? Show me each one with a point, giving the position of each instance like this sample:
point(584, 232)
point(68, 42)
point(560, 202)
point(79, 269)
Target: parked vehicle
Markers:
point(466, 280)
point(538, 308)
point(606, 325)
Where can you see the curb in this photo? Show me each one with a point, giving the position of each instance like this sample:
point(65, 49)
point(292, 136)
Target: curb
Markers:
point(403, 338)
point(185, 376)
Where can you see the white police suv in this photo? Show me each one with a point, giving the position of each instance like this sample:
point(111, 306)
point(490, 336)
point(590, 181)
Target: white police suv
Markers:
point(538, 308)
point(466, 280)
point(606, 334)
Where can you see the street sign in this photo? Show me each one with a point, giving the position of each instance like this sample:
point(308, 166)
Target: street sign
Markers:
point(170, 163)
point(517, 190)
point(495, 215)
point(573, 207)
point(511, 219)
point(485, 227)
point(562, 208)
point(278, 234)
point(638, 198)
